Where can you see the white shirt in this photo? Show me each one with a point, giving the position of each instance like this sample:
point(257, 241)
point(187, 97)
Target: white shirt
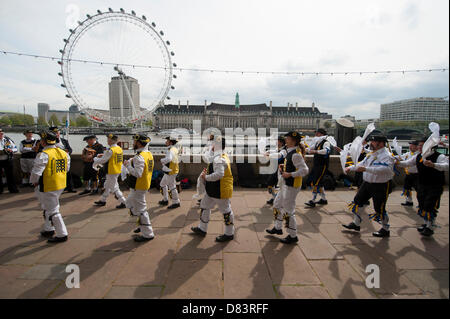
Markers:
point(208, 153)
point(167, 159)
point(407, 156)
point(23, 149)
point(278, 153)
point(40, 162)
point(326, 149)
point(379, 166)
point(138, 163)
point(11, 146)
point(219, 166)
point(441, 162)
point(299, 163)
point(106, 156)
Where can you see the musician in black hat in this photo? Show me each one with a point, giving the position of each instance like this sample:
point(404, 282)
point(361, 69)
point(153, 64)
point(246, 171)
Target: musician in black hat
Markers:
point(28, 154)
point(378, 170)
point(321, 151)
point(412, 174)
point(430, 184)
point(90, 175)
point(7, 150)
point(63, 144)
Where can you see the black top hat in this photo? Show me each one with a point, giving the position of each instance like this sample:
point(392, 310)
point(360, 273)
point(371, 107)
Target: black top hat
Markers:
point(378, 138)
point(48, 136)
point(89, 137)
point(294, 134)
point(281, 139)
point(416, 142)
point(321, 131)
point(112, 136)
point(173, 140)
point(141, 138)
point(53, 129)
point(27, 131)
point(422, 139)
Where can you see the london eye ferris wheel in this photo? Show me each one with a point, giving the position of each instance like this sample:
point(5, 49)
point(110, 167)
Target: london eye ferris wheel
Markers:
point(117, 67)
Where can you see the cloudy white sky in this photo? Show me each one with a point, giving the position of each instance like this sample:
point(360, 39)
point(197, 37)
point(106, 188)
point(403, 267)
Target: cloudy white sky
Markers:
point(282, 35)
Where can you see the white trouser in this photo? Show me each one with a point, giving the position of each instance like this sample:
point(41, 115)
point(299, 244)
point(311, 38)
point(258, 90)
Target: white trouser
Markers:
point(52, 218)
point(26, 165)
point(201, 190)
point(224, 206)
point(284, 206)
point(168, 182)
point(138, 206)
point(112, 186)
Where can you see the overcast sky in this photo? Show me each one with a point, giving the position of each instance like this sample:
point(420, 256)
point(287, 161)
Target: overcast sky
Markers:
point(282, 35)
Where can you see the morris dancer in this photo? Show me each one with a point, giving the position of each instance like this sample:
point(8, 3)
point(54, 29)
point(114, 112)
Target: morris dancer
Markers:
point(321, 151)
point(49, 176)
point(378, 170)
point(140, 168)
point(113, 158)
point(431, 181)
point(292, 171)
point(218, 181)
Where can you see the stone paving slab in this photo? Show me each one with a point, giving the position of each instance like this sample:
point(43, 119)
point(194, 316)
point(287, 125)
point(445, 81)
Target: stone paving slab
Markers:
point(97, 274)
point(433, 282)
point(246, 276)
point(341, 280)
point(31, 289)
point(287, 265)
point(302, 292)
point(45, 271)
point(72, 251)
point(403, 254)
point(392, 280)
point(194, 247)
point(193, 279)
point(139, 292)
point(327, 262)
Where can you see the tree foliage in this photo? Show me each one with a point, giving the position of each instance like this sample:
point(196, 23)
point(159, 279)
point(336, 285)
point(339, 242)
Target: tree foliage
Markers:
point(53, 120)
point(5, 121)
point(82, 121)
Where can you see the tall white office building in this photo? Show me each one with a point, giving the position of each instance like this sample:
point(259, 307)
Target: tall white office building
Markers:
point(117, 92)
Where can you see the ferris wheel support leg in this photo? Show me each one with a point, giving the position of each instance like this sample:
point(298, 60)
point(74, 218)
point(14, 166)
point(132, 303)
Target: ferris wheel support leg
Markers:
point(121, 104)
point(133, 109)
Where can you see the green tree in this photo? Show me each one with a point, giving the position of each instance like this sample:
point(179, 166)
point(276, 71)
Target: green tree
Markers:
point(41, 121)
point(327, 124)
point(54, 120)
point(388, 124)
point(5, 120)
point(82, 121)
point(16, 119)
point(28, 120)
point(72, 123)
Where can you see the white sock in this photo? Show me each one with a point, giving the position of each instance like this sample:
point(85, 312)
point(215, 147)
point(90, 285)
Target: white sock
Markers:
point(356, 220)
